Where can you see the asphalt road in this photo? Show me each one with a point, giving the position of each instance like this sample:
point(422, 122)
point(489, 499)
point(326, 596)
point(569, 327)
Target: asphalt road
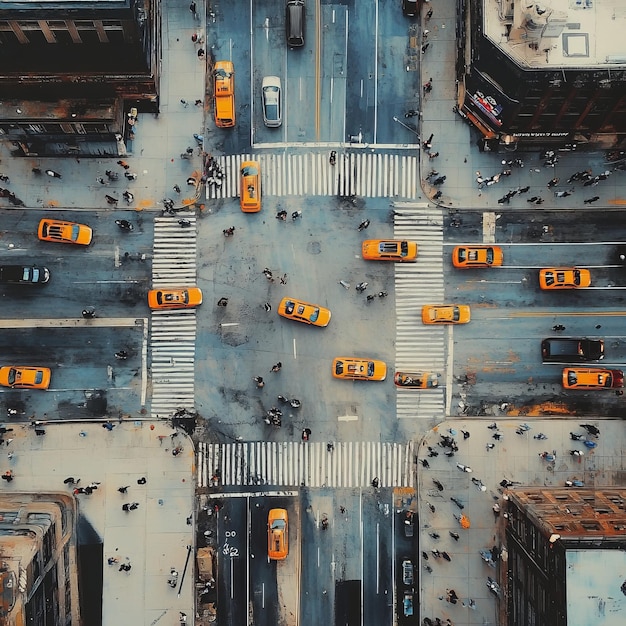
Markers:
point(42, 324)
point(349, 78)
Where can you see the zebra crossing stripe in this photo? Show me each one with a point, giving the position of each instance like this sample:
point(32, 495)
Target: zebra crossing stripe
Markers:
point(294, 464)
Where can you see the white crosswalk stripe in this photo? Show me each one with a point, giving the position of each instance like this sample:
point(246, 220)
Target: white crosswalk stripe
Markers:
point(419, 347)
point(294, 464)
point(361, 173)
point(173, 333)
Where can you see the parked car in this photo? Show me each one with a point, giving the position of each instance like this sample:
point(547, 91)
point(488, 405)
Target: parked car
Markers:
point(359, 369)
point(174, 298)
point(570, 350)
point(277, 534)
point(467, 257)
point(407, 572)
point(304, 312)
point(416, 380)
point(389, 250)
point(271, 93)
point(409, 7)
point(24, 274)
point(564, 278)
point(64, 232)
point(592, 378)
point(25, 377)
point(407, 604)
point(409, 524)
point(295, 23)
point(445, 314)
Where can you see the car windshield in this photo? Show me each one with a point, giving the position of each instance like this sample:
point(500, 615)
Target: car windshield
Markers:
point(75, 231)
point(489, 255)
point(289, 307)
point(12, 376)
point(370, 368)
point(249, 170)
point(38, 377)
point(456, 314)
point(404, 248)
point(576, 277)
point(314, 315)
point(278, 524)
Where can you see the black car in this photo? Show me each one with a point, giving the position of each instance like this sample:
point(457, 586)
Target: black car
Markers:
point(24, 274)
point(409, 7)
point(571, 350)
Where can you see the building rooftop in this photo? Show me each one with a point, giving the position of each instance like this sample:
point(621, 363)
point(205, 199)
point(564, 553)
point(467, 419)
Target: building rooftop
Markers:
point(553, 34)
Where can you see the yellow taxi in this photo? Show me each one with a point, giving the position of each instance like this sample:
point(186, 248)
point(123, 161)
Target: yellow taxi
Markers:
point(250, 187)
point(467, 257)
point(389, 250)
point(592, 378)
point(224, 93)
point(277, 534)
point(359, 369)
point(24, 377)
point(303, 312)
point(564, 278)
point(416, 380)
point(64, 232)
point(175, 298)
point(445, 314)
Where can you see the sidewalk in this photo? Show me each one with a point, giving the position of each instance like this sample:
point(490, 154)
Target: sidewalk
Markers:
point(515, 457)
point(159, 140)
point(152, 539)
point(460, 158)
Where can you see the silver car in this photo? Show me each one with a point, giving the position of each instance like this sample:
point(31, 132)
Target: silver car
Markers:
point(272, 101)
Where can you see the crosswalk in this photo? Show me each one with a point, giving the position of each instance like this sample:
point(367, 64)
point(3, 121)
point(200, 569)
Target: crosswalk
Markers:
point(311, 464)
point(419, 347)
point(361, 173)
point(173, 333)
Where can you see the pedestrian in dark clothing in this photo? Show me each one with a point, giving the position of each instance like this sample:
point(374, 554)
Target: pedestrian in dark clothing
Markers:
point(133, 506)
point(71, 481)
point(425, 463)
point(429, 14)
point(39, 432)
point(267, 306)
point(533, 199)
point(200, 52)
point(454, 536)
point(553, 182)
point(523, 189)
point(425, 47)
point(123, 489)
point(466, 434)
point(8, 476)
point(591, 200)
point(109, 426)
point(438, 195)
point(260, 383)
point(142, 480)
point(222, 302)
point(277, 367)
point(192, 8)
point(126, 507)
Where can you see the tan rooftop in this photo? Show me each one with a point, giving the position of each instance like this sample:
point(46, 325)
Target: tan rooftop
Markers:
point(551, 34)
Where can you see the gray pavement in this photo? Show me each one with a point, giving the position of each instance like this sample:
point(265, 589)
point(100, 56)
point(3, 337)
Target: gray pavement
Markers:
point(515, 457)
point(153, 538)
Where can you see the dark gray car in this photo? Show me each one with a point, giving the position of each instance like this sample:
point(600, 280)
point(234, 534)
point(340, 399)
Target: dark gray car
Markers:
point(571, 350)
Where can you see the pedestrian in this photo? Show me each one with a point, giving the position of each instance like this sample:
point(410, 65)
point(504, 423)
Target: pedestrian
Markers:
point(8, 476)
point(222, 302)
point(454, 536)
point(553, 182)
point(93, 485)
point(277, 367)
point(70, 480)
point(267, 306)
point(425, 463)
point(497, 436)
point(524, 189)
point(109, 426)
point(267, 272)
point(446, 556)
point(562, 194)
point(112, 559)
point(126, 507)
point(260, 383)
point(496, 510)
point(192, 8)
point(370, 297)
point(200, 53)
point(133, 506)
point(125, 567)
point(438, 195)
point(130, 175)
point(433, 155)
point(198, 102)
point(466, 434)
point(142, 480)
point(425, 47)
point(123, 489)
point(591, 200)
point(184, 103)
point(361, 287)
point(429, 14)
point(283, 279)
point(40, 432)
point(429, 141)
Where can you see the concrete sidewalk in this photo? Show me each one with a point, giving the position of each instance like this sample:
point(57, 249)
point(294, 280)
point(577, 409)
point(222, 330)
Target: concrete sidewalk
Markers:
point(456, 141)
point(159, 139)
point(515, 457)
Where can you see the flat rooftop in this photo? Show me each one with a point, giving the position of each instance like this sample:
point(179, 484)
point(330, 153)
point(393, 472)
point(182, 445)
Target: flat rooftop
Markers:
point(553, 34)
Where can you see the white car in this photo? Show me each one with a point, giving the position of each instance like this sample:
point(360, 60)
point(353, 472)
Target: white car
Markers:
point(272, 101)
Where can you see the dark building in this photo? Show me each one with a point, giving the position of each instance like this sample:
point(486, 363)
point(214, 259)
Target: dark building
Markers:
point(546, 74)
point(566, 557)
point(38, 572)
point(74, 74)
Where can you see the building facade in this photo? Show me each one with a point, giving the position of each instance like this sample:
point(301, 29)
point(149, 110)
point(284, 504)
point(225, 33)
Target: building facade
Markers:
point(38, 572)
point(545, 75)
point(74, 74)
point(566, 556)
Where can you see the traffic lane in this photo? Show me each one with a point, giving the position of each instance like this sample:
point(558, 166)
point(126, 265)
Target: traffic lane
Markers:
point(269, 59)
point(300, 93)
point(378, 556)
point(334, 74)
point(519, 288)
point(233, 559)
point(397, 90)
point(361, 66)
point(82, 360)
